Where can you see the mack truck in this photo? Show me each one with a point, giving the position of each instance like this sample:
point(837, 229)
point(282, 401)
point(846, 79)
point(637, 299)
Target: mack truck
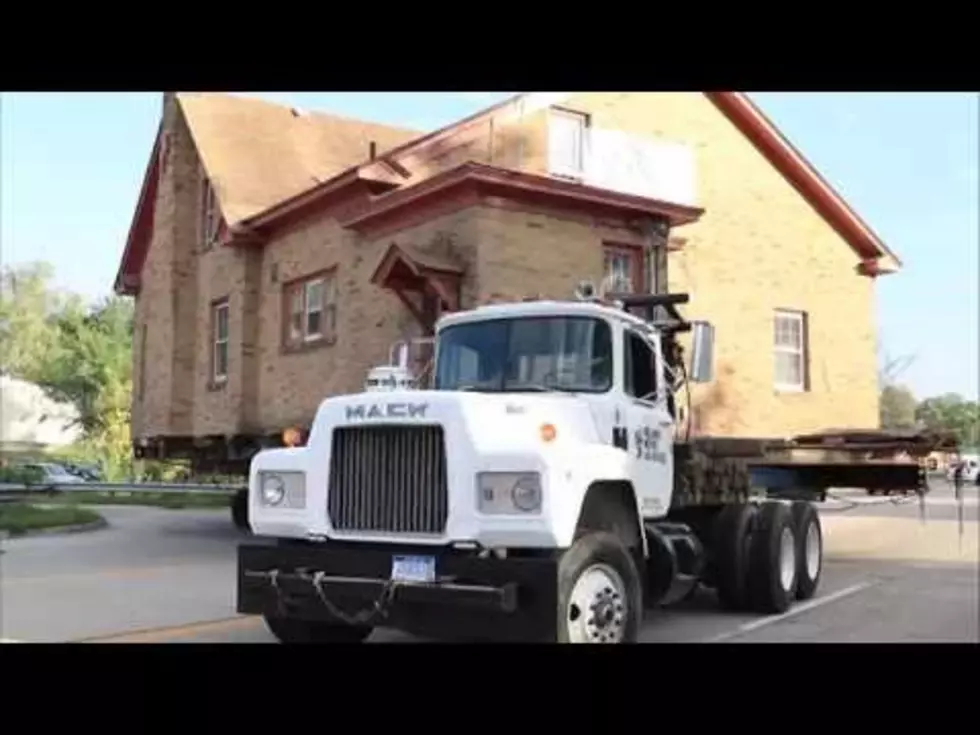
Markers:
point(541, 486)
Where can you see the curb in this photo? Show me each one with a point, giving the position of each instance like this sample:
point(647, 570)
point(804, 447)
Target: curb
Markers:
point(57, 531)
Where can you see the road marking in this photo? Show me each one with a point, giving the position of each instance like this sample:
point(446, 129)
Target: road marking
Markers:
point(9, 640)
point(169, 633)
point(797, 610)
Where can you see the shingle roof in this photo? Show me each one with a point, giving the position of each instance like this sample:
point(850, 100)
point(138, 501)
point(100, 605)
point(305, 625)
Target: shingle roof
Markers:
point(258, 154)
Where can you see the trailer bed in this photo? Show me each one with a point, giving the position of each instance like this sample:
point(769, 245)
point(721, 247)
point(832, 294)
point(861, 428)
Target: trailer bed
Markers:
point(722, 470)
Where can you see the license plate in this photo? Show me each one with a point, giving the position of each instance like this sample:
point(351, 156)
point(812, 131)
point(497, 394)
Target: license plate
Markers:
point(413, 568)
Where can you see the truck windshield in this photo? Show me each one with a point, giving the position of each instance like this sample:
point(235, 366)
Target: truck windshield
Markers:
point(526, 354)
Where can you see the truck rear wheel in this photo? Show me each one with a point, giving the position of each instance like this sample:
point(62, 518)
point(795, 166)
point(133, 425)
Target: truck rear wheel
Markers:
point(773, 560)
point(293, 630)
point(600, 596)
point(809, 535)
point(731, 538)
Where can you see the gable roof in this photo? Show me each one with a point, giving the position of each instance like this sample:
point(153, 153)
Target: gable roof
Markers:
point(258, 154)
point(265, 159)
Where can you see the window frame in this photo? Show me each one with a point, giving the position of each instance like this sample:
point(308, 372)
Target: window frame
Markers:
point(628, 367)
point(327, 309)
point(209, 222)
point(633, 253)
point(800, 350)
point(585, 124)
point(217, 341)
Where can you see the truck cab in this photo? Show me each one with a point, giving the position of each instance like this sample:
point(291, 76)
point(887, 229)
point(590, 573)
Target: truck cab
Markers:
point(534, 472)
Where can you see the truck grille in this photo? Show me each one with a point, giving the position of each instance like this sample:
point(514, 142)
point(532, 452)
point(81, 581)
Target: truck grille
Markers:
point(388, 478)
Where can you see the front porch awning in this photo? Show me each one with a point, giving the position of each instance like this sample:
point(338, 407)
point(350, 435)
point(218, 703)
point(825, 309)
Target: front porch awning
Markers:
point(427, 284)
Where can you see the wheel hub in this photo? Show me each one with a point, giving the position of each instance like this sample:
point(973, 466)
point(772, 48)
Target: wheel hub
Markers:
point(597, 609)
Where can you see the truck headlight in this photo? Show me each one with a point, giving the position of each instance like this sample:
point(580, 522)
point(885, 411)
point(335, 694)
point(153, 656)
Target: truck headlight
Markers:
point(282, 489)
point(508, 493)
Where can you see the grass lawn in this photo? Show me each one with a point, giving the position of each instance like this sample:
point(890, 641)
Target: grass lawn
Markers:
point(19, 518)
point(174, 501)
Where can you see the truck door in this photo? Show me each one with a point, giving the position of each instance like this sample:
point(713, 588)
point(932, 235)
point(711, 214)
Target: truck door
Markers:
point(649, 427)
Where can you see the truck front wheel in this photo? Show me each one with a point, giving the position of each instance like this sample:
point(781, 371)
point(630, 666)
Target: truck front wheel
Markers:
point(600, 596)
point(293, 630)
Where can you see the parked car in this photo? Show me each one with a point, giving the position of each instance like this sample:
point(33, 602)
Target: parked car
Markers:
point(49, 474)
point(971, 469)
point(88, 472)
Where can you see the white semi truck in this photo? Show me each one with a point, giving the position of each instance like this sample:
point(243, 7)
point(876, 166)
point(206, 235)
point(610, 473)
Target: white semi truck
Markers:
point(538, 490)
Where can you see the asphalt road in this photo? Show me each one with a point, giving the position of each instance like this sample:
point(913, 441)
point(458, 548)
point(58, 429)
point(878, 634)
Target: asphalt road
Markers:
point(169, 576)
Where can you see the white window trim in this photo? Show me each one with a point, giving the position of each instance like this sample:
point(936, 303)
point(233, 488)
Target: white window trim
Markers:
point(209, 212)
point(327, 310)
point(217, 341)
point(612, 255)
point(307, 335)
point(556, 169)
point(786, 315)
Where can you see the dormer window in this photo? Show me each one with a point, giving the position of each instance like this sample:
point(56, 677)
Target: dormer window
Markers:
point(567, 136)
point(209, 213)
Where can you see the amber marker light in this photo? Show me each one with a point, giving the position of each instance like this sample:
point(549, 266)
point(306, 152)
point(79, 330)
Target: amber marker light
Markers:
point(548, 432)
point(291, 437)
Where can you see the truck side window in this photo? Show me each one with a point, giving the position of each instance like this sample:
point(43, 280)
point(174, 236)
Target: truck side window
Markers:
point(641, 376)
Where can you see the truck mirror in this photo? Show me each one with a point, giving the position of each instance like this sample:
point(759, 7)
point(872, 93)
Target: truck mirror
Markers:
point(702, 352)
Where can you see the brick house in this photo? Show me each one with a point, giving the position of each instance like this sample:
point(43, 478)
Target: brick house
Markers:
point(275, 254)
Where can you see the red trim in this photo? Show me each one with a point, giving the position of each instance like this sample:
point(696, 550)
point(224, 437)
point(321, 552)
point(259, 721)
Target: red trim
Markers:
point(493, 181)
point(141, 228)
point(740, 110)
point(399, 271)
point(384, 173)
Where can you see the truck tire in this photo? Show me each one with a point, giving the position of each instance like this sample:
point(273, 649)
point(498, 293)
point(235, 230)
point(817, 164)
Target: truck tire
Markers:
point(294, 630)
point(773, 560)
point(239, 510)
point(731, 538)
point(809, 536)
point(600, 595)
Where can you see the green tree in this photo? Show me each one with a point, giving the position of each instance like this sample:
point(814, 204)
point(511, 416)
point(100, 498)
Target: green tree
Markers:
point(951, 412)
point(897, 407)
point(29, 310)
point(78, 353)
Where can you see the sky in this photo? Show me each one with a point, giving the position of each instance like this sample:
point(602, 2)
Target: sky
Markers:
point(71, 167)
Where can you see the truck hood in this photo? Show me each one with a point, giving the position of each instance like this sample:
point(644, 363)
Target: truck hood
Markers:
point(489, 421)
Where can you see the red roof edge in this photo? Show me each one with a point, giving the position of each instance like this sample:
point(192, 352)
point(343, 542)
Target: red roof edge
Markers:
point(450, 129)
point(522, 183)
point(751, 121)
point(141, 227)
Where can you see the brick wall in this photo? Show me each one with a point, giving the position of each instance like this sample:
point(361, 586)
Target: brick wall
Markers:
point(759, 247)
point(369, 319)
point(167, 304)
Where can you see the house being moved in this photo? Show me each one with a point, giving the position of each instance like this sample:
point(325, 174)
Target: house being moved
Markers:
point(276, 254)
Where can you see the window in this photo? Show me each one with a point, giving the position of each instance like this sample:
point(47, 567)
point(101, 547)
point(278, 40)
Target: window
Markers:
point(209, 213)
point(622, 268)
point(219, 340)
point(790, 350)
point(567, 135)
point(312, 310)
point(640, 367)
point(543, 354)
